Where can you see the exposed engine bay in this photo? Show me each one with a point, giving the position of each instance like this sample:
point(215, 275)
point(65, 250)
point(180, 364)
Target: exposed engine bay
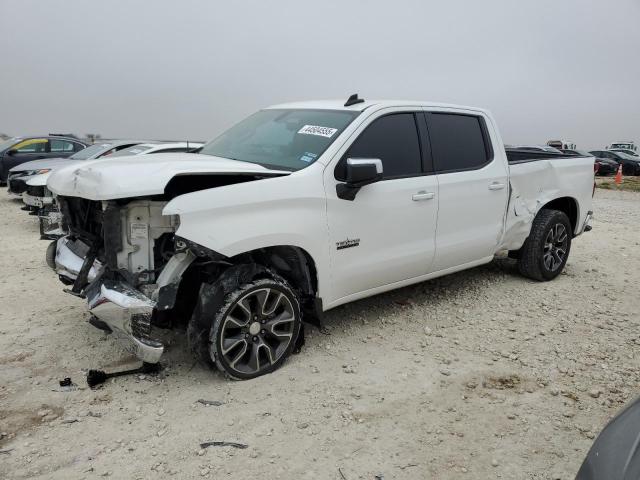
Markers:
point(131, 239)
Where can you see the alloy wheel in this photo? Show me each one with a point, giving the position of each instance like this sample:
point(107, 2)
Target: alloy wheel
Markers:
point(257, 330)
point(555, 247)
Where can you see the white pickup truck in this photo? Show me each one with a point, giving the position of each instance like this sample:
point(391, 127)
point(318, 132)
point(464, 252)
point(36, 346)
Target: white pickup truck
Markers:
point(300, 208)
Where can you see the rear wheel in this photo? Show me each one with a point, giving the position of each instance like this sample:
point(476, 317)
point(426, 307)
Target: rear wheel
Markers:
point(545, 253)
point(250, 328)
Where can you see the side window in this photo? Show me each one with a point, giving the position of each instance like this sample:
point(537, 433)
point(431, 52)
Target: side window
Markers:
point(34, 145)
point(394, 140)
point(457, 142)
point(78, 146)
point(62, 146)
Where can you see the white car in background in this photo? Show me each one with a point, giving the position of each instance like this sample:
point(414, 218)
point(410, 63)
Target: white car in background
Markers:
point(535, 148)
point(40, 201)
point(18, 175)
point(626, 146)
point(153, 147)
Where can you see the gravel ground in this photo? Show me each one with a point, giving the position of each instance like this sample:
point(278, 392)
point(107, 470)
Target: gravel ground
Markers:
point(481, 374)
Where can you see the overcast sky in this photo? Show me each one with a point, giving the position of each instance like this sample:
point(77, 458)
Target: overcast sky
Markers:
point(188, 69)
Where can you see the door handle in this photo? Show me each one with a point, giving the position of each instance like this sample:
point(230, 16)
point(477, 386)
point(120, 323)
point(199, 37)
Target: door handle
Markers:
point(423, 196)
point(496, 186)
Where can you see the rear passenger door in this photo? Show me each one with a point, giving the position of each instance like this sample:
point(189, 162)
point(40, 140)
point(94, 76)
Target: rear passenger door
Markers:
point(473, 188)
point(387, 233)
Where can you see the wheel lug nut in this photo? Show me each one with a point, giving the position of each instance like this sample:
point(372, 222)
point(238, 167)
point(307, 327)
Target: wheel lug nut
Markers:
point(262, 331)
point(246, 335)
point(255, 339)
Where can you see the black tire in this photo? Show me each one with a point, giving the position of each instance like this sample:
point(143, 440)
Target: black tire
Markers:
point(255, 344)
point(540, 256)
point(50, 255)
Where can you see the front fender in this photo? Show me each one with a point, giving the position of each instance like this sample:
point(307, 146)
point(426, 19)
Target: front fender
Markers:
point(239, 218)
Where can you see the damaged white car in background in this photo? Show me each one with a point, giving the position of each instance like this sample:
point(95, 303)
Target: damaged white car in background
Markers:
point(29, 179)
point(300, 208)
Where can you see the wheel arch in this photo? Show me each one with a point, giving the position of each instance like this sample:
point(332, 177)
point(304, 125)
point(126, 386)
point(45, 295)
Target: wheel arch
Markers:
point(298, 268)
point(293, 263)
point(569, 206)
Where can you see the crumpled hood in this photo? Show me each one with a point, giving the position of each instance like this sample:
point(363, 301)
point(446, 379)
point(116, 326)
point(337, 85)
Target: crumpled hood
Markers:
point(43, 163)
point(141, 175)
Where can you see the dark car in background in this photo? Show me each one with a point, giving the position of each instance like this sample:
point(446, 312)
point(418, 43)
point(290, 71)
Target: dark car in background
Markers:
point(17, 150)
point(630, 164)
point(604, 166)
point(18, 175)
point(625, 150)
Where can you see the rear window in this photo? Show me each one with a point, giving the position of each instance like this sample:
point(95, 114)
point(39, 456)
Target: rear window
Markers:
point(90, 151)
point(135, 150)
point(61, 146)
point(457, 142)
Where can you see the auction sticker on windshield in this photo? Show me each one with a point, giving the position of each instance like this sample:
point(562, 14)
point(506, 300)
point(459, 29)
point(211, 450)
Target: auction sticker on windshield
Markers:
point(319, 131)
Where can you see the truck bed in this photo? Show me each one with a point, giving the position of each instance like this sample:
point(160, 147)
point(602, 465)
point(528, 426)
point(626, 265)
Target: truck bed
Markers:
point(517, 155)
point(535, 179)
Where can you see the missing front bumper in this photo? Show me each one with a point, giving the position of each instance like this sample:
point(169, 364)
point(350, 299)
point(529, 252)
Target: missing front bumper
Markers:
point(127, 312)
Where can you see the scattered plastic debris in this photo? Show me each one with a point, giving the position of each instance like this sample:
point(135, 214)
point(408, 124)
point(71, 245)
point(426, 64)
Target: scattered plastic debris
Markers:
point(214, 403)
point(97, 377)
point(66, 382)
point(66, 385)
point(223, 444)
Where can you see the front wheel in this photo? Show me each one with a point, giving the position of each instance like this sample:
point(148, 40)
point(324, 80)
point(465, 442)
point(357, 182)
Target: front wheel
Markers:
point(251, 328)
point(545, 253)
point(50, 255)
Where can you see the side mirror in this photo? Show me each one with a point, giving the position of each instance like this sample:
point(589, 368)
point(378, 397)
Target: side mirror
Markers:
point(12, 152)
point(359, 172)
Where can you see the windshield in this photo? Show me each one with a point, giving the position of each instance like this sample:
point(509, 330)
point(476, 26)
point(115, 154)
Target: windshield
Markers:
point(281, 139)
point(621, 145)
point(134, 150)
point(626, 151)
point(89, 152)
point(626, 156)
point(7, 143)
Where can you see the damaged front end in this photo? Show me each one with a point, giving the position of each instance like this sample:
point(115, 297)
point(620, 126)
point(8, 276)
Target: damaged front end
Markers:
point(120, 256)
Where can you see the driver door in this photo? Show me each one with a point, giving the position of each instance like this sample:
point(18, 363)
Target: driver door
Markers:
point(387, 233)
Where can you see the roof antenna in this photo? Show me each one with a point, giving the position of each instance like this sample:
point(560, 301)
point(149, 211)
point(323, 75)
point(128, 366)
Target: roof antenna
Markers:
point(353, 99)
